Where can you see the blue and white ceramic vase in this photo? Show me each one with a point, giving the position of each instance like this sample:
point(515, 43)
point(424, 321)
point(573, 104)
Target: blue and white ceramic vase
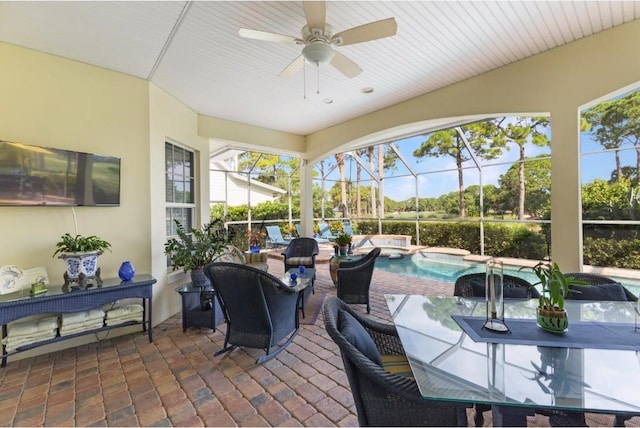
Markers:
point(126, 271)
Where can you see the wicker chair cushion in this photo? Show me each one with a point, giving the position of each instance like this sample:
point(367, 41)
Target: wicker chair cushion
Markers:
point(613, 292)
point(299, 260)
point(353, 331)
point(397, 364)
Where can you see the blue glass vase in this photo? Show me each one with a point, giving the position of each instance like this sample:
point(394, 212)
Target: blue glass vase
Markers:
point(126, 271)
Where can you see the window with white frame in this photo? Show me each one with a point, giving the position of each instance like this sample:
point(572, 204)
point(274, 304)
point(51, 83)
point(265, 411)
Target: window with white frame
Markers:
point(179, 188)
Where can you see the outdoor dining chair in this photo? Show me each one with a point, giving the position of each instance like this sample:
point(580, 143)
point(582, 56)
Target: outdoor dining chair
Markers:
point(382, 396)
point(473, 285)
point(354, 278)
point(260, 310)
point(274, 236)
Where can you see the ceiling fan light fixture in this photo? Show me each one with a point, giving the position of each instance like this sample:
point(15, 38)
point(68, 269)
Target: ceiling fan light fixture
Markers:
point(318, 53)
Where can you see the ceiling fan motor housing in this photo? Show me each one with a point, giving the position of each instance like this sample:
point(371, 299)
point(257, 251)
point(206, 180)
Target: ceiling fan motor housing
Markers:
point(318, 53)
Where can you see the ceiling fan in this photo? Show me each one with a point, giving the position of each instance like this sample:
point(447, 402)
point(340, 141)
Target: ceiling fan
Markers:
point(319, 41)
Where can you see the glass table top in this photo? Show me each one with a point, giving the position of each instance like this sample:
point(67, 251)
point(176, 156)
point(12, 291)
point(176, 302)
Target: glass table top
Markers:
point(449, 365)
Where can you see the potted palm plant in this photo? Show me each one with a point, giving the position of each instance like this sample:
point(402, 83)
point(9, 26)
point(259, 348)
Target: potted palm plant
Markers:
point(550, 313)
point(80, 253)
point(193, 249)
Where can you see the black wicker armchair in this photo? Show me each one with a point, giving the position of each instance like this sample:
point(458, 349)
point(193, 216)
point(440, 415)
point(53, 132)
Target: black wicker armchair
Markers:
point(473, 285)
point(382, 398)
point(593, 279)
point(260, 310)
point(354, 279)
point(301, 252)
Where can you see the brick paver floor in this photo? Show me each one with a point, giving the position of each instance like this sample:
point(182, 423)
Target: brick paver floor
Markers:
point(177, 380)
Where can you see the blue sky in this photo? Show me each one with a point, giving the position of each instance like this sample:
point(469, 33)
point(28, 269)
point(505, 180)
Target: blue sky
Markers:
point(436, 184)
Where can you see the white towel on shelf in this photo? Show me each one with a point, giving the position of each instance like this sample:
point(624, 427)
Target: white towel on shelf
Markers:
point(91, 324)
point(123, 311)
point(32, 325)
point(12, 343)
point(81, 328)
point(120, 320)
point(80, 317)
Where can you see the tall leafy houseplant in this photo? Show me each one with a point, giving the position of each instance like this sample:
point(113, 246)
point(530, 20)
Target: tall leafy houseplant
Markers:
point(195, 248)
point(551, 315)
point(80, 253)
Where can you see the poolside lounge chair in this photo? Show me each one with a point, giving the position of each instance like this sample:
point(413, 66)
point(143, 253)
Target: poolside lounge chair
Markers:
point(318, 239)
point(347, 229)
point(274, 236)
point(325, 231)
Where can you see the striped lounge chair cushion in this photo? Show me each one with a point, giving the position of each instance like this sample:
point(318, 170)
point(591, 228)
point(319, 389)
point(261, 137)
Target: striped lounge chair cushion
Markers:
point(297, 261)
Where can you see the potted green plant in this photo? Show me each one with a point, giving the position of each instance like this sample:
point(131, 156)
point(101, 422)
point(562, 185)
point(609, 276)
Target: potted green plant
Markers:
point(80, 253)
point(195, 248)
point(343, 240)
point(550, 313)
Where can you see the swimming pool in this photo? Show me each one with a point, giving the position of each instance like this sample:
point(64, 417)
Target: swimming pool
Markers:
point(447, 268)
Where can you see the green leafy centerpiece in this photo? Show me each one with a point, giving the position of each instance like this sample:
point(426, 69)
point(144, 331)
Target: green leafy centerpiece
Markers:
point(550, 313)
point(80, 253)
point(195, 248)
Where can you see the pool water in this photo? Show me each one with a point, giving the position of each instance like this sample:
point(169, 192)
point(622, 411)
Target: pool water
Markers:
point(447, 268)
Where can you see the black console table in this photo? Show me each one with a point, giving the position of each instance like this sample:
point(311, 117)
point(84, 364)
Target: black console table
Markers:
point(56, 300)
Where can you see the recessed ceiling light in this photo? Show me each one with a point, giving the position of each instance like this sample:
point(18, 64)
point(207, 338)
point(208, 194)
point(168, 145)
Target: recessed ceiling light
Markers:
point(367, 90)
point(327, 101)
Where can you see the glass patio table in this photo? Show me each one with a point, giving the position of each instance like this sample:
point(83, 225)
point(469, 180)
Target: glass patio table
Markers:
point(448, 365)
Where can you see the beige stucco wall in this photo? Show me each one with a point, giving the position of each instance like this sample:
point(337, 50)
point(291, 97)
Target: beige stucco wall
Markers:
point(172, 121)
point(50, 101)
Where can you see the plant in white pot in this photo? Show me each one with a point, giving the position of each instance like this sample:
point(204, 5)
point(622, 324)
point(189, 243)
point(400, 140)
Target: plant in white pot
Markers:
point(80, 253)
point(195, 248)
point(550, 313)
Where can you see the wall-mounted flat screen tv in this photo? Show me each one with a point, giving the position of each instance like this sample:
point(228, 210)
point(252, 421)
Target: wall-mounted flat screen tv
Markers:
point(34, 175)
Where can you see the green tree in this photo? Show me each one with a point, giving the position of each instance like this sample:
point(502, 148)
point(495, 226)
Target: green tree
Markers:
point(519, 131)
point(449, 143)
point(537, 178)
point(608, 122)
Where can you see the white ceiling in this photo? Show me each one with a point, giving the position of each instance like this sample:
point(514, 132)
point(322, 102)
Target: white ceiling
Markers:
point(193, 50)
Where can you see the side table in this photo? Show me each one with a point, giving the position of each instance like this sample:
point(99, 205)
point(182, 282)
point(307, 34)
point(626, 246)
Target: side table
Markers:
point(193, 312)
point(334, 264)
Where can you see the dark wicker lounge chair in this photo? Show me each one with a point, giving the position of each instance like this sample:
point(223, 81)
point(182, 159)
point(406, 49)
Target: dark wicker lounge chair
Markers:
point(382, 398)
point(354, 279)
point(260, 310)
point(301, 252)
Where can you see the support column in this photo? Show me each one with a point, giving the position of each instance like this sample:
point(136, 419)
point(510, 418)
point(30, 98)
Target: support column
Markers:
point(566, 233)
point(306, 198)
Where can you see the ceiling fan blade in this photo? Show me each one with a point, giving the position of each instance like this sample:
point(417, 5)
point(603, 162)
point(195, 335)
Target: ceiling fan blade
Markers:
point(295, 66)
point(316, 14)
point(345, 66)
point(364, 33)
point(269, 37)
